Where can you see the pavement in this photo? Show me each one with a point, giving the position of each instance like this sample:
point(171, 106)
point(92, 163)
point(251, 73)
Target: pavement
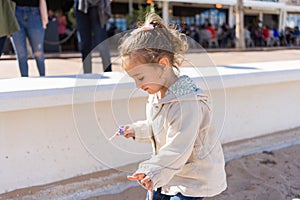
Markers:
point(70, 63)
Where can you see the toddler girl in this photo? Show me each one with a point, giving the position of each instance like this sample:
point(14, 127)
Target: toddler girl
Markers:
point(187, 161)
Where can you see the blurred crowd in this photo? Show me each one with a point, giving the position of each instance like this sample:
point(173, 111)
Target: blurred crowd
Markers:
point(223, 36)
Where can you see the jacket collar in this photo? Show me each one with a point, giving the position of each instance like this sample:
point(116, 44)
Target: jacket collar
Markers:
point(184, 85)
point(184, 89)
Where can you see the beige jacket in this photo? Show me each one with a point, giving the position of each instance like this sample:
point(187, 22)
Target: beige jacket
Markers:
point(188, 156)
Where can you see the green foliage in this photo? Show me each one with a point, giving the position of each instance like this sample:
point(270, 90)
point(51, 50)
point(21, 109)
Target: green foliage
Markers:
point(138, 15)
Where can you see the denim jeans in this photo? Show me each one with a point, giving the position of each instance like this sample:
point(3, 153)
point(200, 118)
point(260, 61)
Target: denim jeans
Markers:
point(157, 195)
point(91, 35)
point(30, 23)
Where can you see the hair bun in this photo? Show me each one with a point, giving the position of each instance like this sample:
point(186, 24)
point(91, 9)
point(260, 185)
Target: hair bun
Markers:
point(161, 39)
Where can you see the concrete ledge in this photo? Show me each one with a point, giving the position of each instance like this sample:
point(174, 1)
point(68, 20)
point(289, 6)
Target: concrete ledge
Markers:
point(29, 93)
point(113, 182)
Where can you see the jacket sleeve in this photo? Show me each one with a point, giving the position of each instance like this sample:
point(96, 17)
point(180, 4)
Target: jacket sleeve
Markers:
point(183, 122)
point(143, 131)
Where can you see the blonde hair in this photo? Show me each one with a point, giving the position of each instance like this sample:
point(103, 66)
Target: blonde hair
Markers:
point(151, 44)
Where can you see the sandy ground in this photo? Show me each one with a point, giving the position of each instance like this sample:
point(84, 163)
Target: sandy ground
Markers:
point(273, 175)
point(270, 175)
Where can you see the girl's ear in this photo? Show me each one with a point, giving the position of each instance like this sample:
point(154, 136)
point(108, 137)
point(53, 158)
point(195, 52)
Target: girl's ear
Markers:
point(164, 61)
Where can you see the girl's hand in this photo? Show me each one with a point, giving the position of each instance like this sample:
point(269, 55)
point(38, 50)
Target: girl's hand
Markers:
point(143, 179)
point(128, 132)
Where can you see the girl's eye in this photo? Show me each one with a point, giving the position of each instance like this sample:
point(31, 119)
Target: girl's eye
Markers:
point(140, 79)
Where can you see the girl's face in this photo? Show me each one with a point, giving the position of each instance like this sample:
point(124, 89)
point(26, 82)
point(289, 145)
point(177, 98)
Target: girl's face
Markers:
point(148, 77)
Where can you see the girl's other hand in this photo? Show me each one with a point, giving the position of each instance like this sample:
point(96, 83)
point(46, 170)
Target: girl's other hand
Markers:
point(143, 179)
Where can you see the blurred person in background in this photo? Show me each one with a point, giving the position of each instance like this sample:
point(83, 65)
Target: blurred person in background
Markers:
point(8, 22)
point(32, 17)
point(92, 17)
point(296, 35)
point(62, 24)
point(247, 36)
point(266, 35)
point(51, 16)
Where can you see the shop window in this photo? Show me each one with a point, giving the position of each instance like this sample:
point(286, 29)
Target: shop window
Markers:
point(214, 16)
point(293, 20)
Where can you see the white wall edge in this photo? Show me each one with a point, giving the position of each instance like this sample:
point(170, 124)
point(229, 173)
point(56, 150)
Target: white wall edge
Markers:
point(94, 92)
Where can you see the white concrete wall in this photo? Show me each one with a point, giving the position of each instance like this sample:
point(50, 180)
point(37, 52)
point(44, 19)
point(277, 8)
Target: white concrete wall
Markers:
point(258, 110)
point(58, 127)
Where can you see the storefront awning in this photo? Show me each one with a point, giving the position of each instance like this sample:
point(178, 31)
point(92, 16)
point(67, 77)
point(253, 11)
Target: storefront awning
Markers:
point(290, 8)
point(224, 2)
point(254, 4)
point(264, 5)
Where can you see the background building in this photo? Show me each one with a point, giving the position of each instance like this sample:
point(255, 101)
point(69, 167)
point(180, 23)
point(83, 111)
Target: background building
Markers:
point(281, 15)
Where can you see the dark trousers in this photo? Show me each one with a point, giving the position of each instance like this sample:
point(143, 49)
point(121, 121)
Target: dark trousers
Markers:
point(92, 37)
point(2, 42)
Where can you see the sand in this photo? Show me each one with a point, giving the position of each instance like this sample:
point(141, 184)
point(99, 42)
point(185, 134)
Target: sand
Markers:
point(273, 175)
point(270, 175)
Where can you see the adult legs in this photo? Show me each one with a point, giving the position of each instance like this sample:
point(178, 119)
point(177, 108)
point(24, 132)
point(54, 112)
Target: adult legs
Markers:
point(100, 36)
point(84, 29)
point(30, 24)
point(35, 33)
